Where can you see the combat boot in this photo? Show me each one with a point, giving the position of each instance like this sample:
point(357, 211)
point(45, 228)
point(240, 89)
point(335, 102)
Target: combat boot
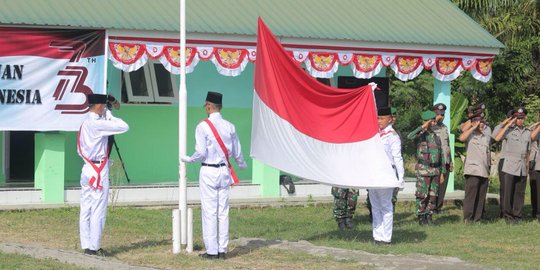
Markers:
point(349, 223)
point(341, 224)
point(422, 220)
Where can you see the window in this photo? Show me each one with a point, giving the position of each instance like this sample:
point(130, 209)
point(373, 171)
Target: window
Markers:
point(152, 83)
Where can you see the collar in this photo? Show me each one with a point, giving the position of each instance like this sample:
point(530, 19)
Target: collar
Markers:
point(215, 115)
point(93, 115)
point(388, 129)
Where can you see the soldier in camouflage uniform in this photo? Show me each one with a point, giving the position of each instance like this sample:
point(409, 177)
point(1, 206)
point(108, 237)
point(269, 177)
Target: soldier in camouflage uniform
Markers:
point(344, 206)
point(429, 167)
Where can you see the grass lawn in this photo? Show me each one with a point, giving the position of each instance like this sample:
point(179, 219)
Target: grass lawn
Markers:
point(142, 236)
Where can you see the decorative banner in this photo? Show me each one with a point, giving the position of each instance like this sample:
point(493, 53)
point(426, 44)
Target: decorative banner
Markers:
point(154, 51)
point(468, 62)
point(322, 65)
point(128, 57)
point(300, 56)
point(447, 69)
point(230, 62)
point(47, 75)
point(482, 71)
point(429, 61)
point(345, 58)
point(171, 59)
point(365, 66)
point(407, 67)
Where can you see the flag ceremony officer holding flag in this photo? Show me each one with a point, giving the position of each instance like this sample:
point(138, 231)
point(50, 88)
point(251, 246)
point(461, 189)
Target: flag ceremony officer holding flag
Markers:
point(215, 141)
point(92, 146)
point(381, 199)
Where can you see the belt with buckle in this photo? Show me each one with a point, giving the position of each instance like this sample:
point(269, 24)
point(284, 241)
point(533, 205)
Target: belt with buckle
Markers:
point(214, 165)
point(97, 161)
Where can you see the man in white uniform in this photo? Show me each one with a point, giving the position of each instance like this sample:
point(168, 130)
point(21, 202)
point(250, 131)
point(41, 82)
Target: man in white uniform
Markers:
point(381, 199)
point(92, 147)
point(215, 176)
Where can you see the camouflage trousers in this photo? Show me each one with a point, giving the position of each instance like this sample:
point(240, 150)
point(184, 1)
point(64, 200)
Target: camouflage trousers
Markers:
point(426, 194)
point(394, 198)
point(344, 202)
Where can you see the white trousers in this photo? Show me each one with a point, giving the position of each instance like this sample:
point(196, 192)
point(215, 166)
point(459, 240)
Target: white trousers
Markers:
point(93, 205)
point(214, 185)
point(383, 215)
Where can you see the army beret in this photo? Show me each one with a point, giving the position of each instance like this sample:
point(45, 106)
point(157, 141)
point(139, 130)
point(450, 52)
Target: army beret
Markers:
point(428, 115)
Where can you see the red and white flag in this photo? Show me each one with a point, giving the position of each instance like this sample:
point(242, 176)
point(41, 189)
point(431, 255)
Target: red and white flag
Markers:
point(308, 129)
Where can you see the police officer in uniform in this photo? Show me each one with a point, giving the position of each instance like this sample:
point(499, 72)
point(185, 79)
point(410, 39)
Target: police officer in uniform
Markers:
point(509, 116)
point(518, 141)
point(477, 163)
point(92, 146)
point(442, 132)
point(345, 200)
point(534, 170)
point(429, 167)
point(215, 177)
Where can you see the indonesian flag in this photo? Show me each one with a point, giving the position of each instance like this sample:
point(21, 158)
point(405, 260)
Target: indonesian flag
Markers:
point(308, 129)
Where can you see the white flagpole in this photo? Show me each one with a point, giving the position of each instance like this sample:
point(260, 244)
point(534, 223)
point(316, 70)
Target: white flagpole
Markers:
point(182, 125)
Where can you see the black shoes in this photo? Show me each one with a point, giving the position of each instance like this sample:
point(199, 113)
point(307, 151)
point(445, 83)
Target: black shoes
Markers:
point(89, 252)
point(341, 224)
point(100, 252)
point(221, 255)
point(349, 223)
point(345, 223)
point(381, 243)
point(209, 256)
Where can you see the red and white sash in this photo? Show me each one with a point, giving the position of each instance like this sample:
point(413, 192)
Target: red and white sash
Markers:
point(224, 149)
point(95, 182)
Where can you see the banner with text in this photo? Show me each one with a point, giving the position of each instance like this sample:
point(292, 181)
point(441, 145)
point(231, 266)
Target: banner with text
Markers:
point(45, 76)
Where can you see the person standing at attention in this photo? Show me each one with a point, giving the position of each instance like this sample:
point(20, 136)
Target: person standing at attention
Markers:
point(215, 141)
point(92, 146)
point(381, 199)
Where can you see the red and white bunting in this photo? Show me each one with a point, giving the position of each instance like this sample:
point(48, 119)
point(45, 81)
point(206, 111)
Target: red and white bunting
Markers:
point(300, 56)
point(154, 51)
point(429, 61)
point(447, 69)
point(252, 55)
point(322, 65)
point(482, 70)
point(232, 61)
point(365, 66)
point(407, 67)
point(127, 57)
point(229, 61)
point(345, 58)
point(468, 62)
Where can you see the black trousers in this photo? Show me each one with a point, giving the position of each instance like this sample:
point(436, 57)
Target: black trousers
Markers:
point(475, 197)
point(501, 186)
point(534, 182)
point(514, 196)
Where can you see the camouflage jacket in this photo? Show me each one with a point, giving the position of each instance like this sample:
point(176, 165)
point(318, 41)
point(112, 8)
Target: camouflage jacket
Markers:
point(430, 158)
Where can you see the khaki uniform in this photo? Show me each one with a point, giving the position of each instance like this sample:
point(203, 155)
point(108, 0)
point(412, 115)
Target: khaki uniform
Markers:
point(515, 169)
point(499, 167)
point(476, 173)
point(442, 132)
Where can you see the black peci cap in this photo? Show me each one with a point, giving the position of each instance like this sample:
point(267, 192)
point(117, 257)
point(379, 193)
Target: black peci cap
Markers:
point(97, 99)
point(214, 97)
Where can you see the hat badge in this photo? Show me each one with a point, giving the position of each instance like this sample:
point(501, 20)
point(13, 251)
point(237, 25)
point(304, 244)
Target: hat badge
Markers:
point(520, 110)
point(440, 107)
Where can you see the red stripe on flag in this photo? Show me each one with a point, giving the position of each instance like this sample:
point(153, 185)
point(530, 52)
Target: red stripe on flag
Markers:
point(319, 111)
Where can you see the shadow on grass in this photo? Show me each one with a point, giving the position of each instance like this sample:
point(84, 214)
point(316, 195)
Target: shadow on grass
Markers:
point(138, 245)
point(250, 246)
